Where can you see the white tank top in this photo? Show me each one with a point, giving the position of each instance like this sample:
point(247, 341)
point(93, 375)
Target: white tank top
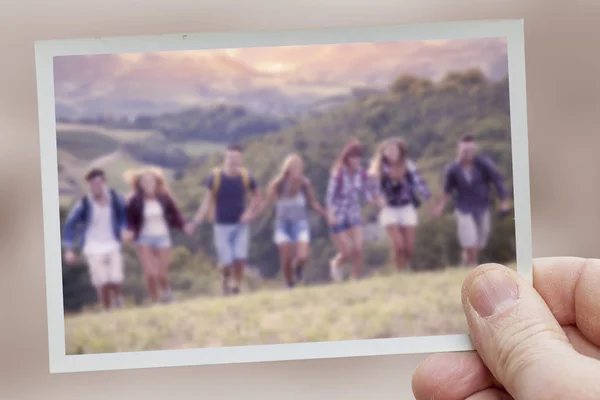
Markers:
point(155, 223)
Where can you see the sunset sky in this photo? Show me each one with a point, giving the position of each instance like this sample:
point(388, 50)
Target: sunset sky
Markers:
point(291, 58)
point(266, 77)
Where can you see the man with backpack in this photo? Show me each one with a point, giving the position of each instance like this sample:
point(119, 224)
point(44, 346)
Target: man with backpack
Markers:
point(97, 222)
point(226, 203)
point(468, 181)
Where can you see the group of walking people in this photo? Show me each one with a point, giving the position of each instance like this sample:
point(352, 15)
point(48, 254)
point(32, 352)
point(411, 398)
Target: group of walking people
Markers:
point(391, 182)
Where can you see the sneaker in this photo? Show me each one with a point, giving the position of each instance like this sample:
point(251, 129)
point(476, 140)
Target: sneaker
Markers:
point(235, 291)
point(336, 271)
point(117, 302)
point(168, 296)
point(290, 285)
point(225, 290)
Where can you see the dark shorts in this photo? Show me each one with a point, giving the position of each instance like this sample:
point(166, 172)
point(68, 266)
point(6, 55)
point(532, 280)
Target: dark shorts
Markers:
point(344, 225)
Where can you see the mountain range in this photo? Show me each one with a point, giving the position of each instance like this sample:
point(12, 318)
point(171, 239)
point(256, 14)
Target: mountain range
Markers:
point(273, 80)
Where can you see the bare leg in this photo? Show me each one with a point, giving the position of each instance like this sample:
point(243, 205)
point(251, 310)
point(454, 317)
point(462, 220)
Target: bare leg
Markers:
point(286, 257)
point(397, 243)
point(356, 234)
point(104, 296)
point(475, 257)
point(225, 280)
point(469, 256)
point(343, 243)
point(149, 264)
point(164, 259)
point(302, 254)
point(115, 294)
point(408, 234)
point(238, 275)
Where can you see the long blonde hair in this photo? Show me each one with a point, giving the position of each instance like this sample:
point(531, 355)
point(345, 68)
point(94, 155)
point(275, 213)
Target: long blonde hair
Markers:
point(283, 174)
point(134, 177)
point(379, 159)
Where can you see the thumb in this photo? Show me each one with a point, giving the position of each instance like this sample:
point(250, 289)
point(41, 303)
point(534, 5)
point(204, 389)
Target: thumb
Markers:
point(520, 341)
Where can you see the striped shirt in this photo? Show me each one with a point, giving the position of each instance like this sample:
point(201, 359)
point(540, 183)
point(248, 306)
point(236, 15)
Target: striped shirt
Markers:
point(401, 192)
point(347, 191)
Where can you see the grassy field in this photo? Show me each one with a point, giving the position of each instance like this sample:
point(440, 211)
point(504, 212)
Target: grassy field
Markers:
point(122, 135)
point(197, 148)
point(425, 303)
point(86, 145)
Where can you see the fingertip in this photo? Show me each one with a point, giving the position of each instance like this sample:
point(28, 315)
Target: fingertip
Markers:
point(450, 376)
point(476, 273)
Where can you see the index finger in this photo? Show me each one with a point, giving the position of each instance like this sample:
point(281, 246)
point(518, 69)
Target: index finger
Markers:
point(570, 288)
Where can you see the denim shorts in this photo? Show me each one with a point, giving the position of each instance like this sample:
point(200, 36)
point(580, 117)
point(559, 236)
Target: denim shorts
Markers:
point(156, 242)
point(231, 243)
point(292, 232)
point(344, 225)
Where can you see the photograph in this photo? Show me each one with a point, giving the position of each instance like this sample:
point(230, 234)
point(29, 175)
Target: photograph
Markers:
point(257, 197)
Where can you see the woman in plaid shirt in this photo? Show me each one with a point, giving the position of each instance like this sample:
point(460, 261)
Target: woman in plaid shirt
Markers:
point(402, 188)
point(349, 185)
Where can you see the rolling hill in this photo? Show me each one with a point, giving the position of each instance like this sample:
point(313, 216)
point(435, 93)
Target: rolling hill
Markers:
point(284, 80)
point(430, 116)
point(170, 140)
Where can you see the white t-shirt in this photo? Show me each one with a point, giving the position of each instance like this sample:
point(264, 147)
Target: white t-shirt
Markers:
point(154, 223)
point(100, 238)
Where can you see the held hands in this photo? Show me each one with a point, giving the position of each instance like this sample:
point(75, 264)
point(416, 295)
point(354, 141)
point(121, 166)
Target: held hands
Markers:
point(380, 202)
point(127, 236)
point(504, 206)
point(70, 257)
point(331, 219)
point(532, 342)
point(437, 209)
point(189, 228)
point(246, 217)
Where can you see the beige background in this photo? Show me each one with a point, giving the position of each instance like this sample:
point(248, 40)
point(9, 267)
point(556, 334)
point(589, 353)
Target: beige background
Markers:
point(564, 109)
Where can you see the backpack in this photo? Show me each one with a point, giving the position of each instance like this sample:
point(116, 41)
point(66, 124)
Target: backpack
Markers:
point(217, 174)
point(114, 202)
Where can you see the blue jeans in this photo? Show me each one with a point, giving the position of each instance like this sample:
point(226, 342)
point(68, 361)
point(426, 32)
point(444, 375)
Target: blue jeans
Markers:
point(231, 243)
point(292, 232)
point(344, 225)
point(156, 242)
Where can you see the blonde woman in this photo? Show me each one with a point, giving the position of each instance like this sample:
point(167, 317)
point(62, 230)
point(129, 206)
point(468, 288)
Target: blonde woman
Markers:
point(291, 192)
point(402, 188)
point(151, 215)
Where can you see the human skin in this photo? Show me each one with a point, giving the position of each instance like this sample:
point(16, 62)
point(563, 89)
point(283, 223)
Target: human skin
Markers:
point(532, 342)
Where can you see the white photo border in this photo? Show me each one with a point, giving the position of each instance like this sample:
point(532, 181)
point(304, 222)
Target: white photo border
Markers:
point(45, 51)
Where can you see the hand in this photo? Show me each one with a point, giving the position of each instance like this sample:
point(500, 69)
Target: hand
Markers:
point(127, 236)
point(437, 210)
point(504, 206)
point(189, 228)
point(246, 218)
point(380, 202)
point(331, 220)
point(532, 342)
point(70, 257)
